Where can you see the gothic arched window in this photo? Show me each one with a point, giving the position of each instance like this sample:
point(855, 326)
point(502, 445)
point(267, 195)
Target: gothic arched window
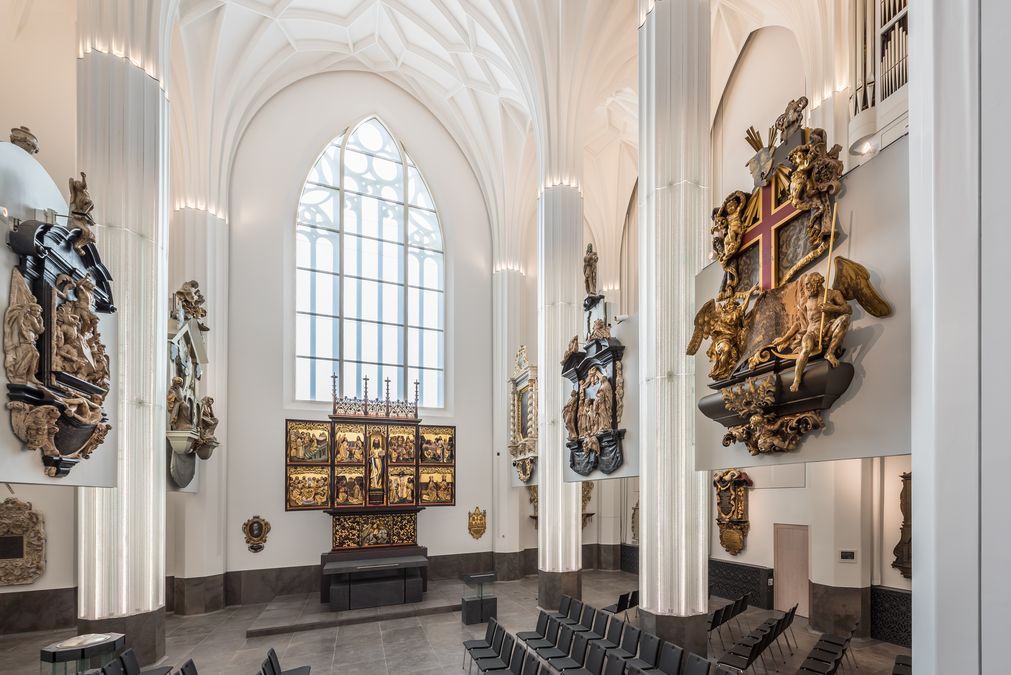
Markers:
point(370, 294)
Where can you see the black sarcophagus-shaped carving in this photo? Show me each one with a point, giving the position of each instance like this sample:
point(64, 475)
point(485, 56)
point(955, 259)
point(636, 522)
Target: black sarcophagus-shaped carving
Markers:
point(56, 364)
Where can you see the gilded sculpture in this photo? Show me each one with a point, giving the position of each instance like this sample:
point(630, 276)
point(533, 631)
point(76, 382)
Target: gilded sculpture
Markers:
point(477, 522)
point(188, 303)
point(36, 427)
point(81, 206)
point(523, 416)
point(599, 331)
point(571, 349)
point(17, 519)
point(732, 508)
point(23, 326)
point(590, 271)
point(776, 351)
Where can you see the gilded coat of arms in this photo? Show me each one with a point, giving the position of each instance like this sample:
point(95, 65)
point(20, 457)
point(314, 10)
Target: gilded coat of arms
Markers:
point(477, 522)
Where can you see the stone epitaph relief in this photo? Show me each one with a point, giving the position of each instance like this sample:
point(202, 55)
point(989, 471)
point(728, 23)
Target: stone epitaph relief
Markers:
point(592, 414)
point(477, 522)
point(903, 550)
point(256, 530)
point(776, 326)
point(58, 371)
point(192, 424)
point(732, 508)
point(523, 416)
point(22, 543)
point(25, 139)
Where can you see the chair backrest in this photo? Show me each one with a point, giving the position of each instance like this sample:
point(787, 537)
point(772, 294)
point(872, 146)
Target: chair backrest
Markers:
point(129, 661)
point(114, 667)
point(551, 634)
point(496, 640)
point(579, 644)
point(588, 614)
point(745, 601)
point(614, 631)
point(615, 666)
point(695, 665)
point(516, 662)
point(716, 619)
point(649, 648)
point(563, 605)
point(530, 663)
point(737, 607)
point(275, 664)
point(575, 609)
point(670, 659)
point(633, 599)
point(506, 651)
point(622, 603)
point(266, 668)
point(489, 631)
point(189, 668)
point(594, 658)
point(542, 623)
point(630, 639)
point(600, 623)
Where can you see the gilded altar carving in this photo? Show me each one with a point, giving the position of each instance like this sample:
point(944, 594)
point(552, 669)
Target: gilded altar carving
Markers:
point(192, 424)
point(26, 528)
point(256, 530)
point(523, 416)
point(776, 350)
point(903, 550)
point(732, 508)
point(477, 522)
point(57, 367)
point(372, 530)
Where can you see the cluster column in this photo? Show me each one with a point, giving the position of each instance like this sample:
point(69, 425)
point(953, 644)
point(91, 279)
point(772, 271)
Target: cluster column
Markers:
point(559, 301)
point(673, 211)
point(122, 144)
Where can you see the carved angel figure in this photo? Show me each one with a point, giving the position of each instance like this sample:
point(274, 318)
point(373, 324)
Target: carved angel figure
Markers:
point(600, 331)
point(590, 270)
point(814, 181)
point(766, 433)
point(571, 349)
point(207, 425)
point(22, 327)
point(35, 426)
point(189, 303)
point(68, 345)
point(81, 206)
point(728, 226)
point(569, 412)
point(821, 319)
point(792, 118)
point(603, 403)
point(179, 406)
point(724, 323)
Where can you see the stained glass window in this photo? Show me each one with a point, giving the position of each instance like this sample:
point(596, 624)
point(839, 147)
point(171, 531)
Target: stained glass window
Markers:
point(370, 296)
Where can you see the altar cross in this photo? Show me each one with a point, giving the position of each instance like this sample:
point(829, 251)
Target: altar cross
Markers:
point(762, 233)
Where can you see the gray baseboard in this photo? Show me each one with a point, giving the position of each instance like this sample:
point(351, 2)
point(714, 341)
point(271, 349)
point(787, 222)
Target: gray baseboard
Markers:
point(731, 580)
point(455, 565)
point(629, 558)
point(197, 595)
point(892, 615)
point(247, 587)
point(25, 611)
point(145, 632)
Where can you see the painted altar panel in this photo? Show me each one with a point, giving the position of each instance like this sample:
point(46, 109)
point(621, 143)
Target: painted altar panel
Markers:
point(438, 445)
point(307, 487)
point(377, 460)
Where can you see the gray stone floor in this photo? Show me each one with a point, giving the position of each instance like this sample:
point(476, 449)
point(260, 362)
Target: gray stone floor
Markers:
point(416, 645)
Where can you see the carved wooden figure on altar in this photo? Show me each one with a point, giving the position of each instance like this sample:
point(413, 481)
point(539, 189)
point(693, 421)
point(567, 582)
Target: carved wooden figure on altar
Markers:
point(56, 364)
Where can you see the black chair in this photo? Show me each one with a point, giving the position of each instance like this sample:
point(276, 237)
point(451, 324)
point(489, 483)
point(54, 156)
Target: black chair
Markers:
point(612, 638)
point(614, 666)
point(715, 620)
point(619, 606)
point(489, 633)
point(531, 665)
point(515, 662)
point(670, 660)
point(560, 649)
point(563, 607)
point(131, 666)
point(272, 656)
point(599, 626)
point(575, 613)
point(738, 662)
point(537, 633)
point(189, 668)
point(594, 661)
point(265, 668)
point(550, 636)
point(501, 660)
point(633, 603)
point(904, 660)
point(629, 644)
point(113, 668)
point(586, 621)
point(696, 665)
point(576, 657)
point(489, 652)
point(649, 652)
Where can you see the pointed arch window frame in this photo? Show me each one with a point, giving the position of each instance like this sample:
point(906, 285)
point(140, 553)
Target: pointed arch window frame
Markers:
point(410, 367)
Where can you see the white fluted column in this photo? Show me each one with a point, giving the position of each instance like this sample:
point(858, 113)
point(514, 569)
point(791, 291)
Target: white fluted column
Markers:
point(122, 144)
point(198, 249)
point(560, 308)
point(673, 211)
point(507, 514)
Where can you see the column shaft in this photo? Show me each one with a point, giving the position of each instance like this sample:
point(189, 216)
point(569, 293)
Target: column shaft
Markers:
point(673, 206)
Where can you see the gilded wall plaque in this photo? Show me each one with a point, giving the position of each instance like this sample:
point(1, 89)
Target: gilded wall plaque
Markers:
point(256, 529)
point(732, 508)
point(23, 542)
point(477, 522)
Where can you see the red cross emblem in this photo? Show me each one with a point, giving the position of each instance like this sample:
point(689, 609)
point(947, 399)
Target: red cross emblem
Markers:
point(762, 233)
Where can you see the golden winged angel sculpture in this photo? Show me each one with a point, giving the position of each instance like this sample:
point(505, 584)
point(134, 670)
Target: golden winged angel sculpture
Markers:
point(724, 323)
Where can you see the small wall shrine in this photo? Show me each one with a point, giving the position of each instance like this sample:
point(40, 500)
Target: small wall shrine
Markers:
point(56, 363)
point(776, 326)
point(191, 420)
point(373, 466)
point(523, 417)
point(592, 414)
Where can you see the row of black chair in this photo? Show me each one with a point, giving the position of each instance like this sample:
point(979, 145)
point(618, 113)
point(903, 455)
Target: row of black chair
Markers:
point(272, 666)
point(722, 616)
point(626, 601)
point(903, 665)
point(127, 664)
point(749, 649)
point(826, 657)
point(581, 640)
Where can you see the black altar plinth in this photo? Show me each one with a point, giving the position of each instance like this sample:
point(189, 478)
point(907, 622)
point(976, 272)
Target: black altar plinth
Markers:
point(378, 582)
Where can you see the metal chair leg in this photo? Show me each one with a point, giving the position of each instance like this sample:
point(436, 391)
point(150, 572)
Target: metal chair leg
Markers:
point(464, 661)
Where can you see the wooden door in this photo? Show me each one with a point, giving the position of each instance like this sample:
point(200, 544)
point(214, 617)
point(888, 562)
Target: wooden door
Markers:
point(792, 576)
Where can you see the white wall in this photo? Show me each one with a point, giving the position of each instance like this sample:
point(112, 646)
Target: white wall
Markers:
point(274, 156)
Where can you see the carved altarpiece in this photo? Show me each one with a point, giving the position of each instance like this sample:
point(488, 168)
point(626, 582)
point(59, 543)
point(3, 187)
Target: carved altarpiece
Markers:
point(731, 488)
point(523, 416)
point(56, 363)
point(22, 543)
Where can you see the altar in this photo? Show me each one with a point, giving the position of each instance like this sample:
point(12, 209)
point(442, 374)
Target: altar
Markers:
point(372, 467)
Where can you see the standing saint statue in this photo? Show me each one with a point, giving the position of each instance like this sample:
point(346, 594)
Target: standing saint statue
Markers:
point(590, 270)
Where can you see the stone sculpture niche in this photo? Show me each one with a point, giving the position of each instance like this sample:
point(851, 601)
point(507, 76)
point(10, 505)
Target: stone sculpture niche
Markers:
point(191, 420)
point(57, 368)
